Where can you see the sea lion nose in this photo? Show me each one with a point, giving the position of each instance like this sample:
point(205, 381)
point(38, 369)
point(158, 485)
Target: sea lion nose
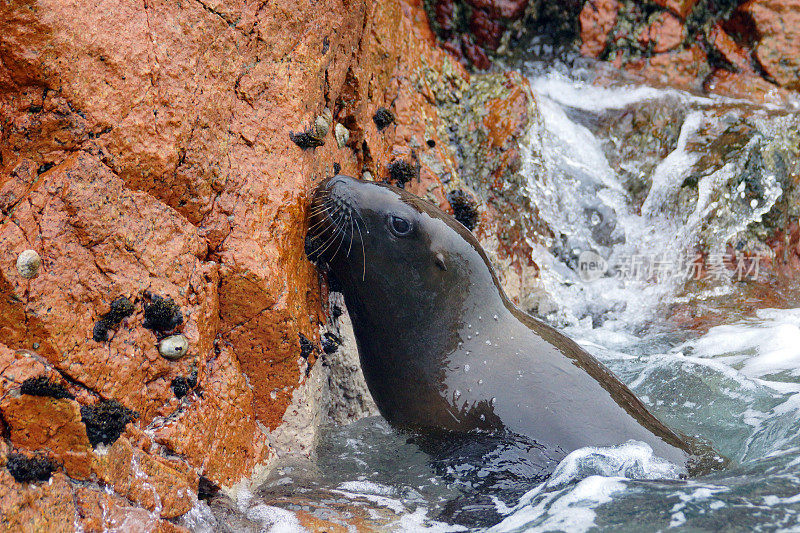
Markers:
point(338, 193)
point(338, 183)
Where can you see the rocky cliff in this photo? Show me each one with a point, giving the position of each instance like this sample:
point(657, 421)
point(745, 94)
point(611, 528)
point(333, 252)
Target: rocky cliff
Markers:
point(158, 158)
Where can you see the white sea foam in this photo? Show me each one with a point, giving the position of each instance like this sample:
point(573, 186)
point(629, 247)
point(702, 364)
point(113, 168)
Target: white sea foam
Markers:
point(583, 480)
point(275, 519)
point(594, 98)
point(569, 509)
point(762, 346)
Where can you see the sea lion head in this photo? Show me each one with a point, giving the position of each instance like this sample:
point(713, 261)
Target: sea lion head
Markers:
point(380, 241)
point(411, 275)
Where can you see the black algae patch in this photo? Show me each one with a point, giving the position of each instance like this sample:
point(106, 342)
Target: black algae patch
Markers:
point(401, 172)
point(106, 421)
point(306, 139)
point(206, 488)
point(100, 332)
point(330, 343)
point(465, 208)
point(162, 314)
point(383, 117)
point(120, 308)
point(182, 385)
point(26, 469)
point(306, 346)
point(41, 386)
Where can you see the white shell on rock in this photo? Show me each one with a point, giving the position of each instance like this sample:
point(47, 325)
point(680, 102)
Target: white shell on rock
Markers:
point(323, 122)
point(173, 347)
point(28, 264)
point(342, 135)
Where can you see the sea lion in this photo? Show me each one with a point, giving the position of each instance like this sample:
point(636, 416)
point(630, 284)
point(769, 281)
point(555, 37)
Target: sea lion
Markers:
point(443, 348)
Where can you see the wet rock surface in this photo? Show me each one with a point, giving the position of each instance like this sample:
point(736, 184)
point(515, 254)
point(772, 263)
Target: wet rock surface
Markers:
point(157, 177)
point(738, 48)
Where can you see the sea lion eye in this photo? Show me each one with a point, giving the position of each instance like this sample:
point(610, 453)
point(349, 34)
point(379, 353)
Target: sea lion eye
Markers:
point(399, 226)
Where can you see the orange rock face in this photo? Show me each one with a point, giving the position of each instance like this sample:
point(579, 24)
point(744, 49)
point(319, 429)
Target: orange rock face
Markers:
point(145, 151)
point(749, 52)
point(733, 53)
point(680, 7)
point(777, 23)
point(597, 19)
point(37, 423)
point(665, 33)
point(36, 507)
point(684, 68)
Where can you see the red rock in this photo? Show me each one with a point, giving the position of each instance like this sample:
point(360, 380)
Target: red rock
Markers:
point(682, 8)
point(99, 511)
point(18, 365)
point(40, 424)
point(486, 31)
point(89, 258)
point(33, 507)
point(597, 19)
point(158, 158)
point(778, 50)
point(444, 11)
point(730, 50)
point(684, 69)
point(509, 9)
point(746, 86)
point(144, 479)
point(475, 53)
point(218, 434)
point(666, 33)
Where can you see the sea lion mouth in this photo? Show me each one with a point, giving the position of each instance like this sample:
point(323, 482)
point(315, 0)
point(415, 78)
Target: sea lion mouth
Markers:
point(335, 223)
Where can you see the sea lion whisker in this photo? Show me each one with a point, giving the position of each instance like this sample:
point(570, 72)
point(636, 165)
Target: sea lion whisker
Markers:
point(340, 231)
point(350, 246)
point(317, 210)
point(333, 236)
point(341, 241)
point(323, 209)
point(320, 209)
point(324, 246)
point(363, 250)
point(362, 220)
point(319, 222)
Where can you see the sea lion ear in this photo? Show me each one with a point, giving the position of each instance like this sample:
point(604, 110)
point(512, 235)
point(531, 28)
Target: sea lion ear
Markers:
point(438, 258)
